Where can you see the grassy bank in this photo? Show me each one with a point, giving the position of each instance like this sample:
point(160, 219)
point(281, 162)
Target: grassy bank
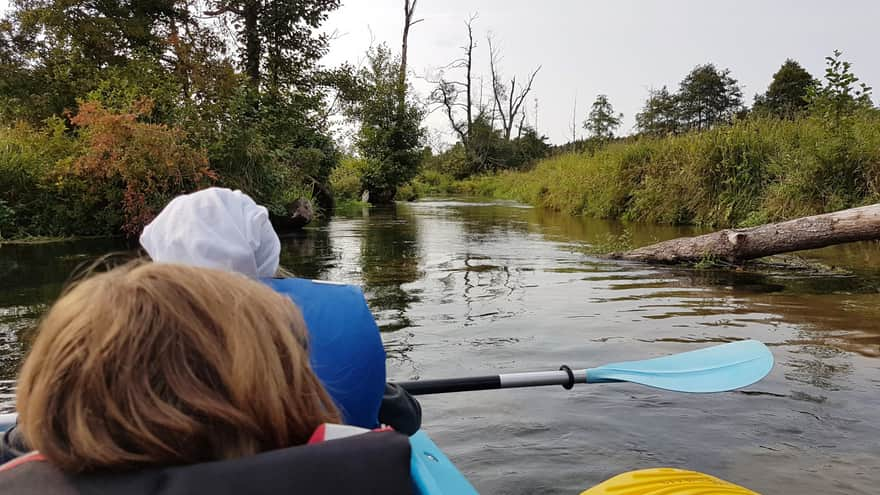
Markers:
point(754, 171)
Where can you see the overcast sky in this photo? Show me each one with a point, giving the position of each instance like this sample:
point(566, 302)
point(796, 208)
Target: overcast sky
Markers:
point(618, 47)
point(622, 47)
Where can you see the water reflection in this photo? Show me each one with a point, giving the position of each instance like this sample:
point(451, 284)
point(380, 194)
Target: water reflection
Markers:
point(31, 277)
point(390, 261)
point(308, 254)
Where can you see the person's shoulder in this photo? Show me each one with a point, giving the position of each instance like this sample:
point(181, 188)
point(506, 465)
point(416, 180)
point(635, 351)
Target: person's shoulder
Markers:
point(31, 474)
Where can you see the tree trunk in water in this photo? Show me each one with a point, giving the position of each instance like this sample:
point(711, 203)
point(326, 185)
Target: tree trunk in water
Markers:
point(738, 245)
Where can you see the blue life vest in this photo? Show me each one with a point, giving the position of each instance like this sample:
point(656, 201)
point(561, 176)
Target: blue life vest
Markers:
point(344, 345)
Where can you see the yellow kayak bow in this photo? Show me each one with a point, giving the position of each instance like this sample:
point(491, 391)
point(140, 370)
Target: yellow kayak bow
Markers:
point(666, 481)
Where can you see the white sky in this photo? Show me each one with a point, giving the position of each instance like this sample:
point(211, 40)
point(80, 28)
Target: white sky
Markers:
point(618, 47)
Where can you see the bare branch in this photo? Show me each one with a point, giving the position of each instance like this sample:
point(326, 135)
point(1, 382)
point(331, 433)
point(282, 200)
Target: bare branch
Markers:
point(524, 93)
point(509, 98)
point(222, 10)
point(446, 96)
point(497, 88)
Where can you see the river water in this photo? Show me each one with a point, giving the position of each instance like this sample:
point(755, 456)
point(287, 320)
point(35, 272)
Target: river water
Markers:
point(464, 287)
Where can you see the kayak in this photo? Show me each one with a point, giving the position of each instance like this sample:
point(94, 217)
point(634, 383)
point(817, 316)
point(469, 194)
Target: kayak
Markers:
point(433, 472)
point(666, 481)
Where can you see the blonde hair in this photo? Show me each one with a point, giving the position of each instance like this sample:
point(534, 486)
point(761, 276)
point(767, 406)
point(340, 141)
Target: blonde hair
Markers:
point(160, 364)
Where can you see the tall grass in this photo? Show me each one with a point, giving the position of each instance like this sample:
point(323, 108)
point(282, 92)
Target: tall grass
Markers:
point(754, 171)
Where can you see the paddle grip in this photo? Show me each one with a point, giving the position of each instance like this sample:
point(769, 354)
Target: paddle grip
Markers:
point(444, 385)
point(570, 384)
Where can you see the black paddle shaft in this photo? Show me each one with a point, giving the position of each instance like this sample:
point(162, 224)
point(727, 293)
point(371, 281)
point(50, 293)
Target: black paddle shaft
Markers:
point(565, 376)
point(444, 385)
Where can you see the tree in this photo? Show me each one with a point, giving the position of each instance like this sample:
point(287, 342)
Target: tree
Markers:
point(408, 22)
point(274, 131)
point(508, 101)
point(63, 46)
point(390, 136)
point(448, 92)
point(660, 114)
point(277, 39)
point(528, 147)
point(708, 96)
point(787, 94)
point(602, 121)
point(105, 33)
point(840, 94)
point(391, 133)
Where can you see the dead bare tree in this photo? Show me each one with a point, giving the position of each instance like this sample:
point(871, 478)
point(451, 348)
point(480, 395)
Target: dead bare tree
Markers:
point(573, 126)
point(508, 102)
point(448, 92)
point(408, 22)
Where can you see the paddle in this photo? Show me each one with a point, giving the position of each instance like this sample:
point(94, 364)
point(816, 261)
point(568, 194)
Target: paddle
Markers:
point(713, 369)
point(667, 481)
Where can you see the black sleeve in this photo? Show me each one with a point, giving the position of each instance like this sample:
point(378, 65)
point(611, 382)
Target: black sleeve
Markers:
point(12, 444)
point(400, 410)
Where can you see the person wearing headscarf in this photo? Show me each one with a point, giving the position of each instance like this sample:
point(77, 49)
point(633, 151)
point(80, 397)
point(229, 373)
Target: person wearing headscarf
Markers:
point(224, 229)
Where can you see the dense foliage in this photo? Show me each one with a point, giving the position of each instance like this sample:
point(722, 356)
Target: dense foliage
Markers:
point(105, 118)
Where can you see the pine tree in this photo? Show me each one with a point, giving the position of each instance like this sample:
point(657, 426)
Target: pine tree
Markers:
point(602, 121)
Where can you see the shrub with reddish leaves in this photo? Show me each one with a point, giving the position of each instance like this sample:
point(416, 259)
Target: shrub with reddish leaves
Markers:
point(138, 165)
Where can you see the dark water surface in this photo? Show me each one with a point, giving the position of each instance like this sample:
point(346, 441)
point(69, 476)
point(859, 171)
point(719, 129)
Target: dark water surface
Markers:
point(477, 288)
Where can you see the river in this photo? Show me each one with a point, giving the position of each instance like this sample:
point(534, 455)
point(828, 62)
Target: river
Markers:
point(464, 287)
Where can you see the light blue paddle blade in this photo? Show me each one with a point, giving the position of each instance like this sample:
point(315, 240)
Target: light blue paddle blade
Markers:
point(713, 369)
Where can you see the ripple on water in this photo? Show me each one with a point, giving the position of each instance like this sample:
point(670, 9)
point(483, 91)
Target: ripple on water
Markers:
point(471, 288)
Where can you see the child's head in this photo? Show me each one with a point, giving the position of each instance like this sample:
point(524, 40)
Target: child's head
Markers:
point(159, 364)
point(215, 228)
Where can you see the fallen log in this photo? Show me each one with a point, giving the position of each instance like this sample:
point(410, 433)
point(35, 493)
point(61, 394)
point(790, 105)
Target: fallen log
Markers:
point(738, 245)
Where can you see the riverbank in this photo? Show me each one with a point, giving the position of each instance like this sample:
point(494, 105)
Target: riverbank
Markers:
point(29, 240)
point(754, 171)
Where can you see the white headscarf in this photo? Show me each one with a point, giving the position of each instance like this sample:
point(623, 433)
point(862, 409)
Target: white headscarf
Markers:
point(215, 228)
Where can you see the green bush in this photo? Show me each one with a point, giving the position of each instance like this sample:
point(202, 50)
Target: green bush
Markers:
point(406, 192)
point(111, 173)
point(346, 178)
point(37, 200)
point(756, 170)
